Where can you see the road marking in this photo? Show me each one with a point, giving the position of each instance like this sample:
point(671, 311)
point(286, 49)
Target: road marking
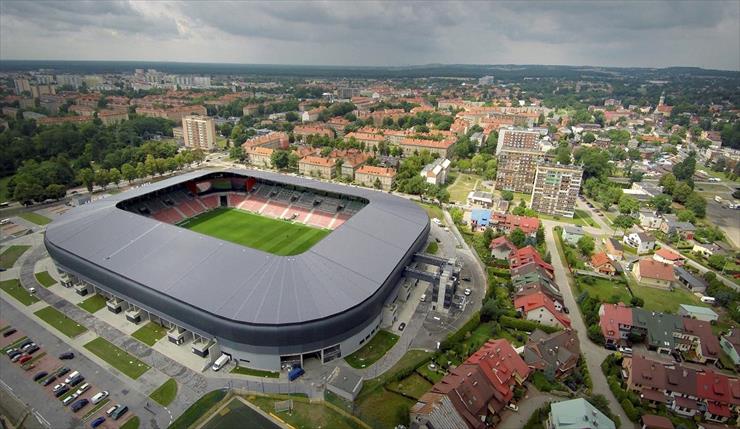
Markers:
point(41, 419)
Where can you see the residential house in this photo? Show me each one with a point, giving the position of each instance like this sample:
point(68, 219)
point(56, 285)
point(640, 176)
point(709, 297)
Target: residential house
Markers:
point(501, 247)
point(311, 115)
point(668, 257)
point(530, 268)
point(651, 421)
point(507, 223)
point(692, 282)
point(526, 255)
point(474, 394)
point(554, 354)
point(730, 344)
point(641, 241)
point(601, 263)
point(371, 176)
point(316, 166)
point(696, 312)
point(657, 329)
point(652, 273)
point(576, 414)
point(541, 308)
point(480, 199)
point(706, 250)
point(302, 131)
point(571, 234)
point(614, 248)
point(436, 172)
point(697, 341)
point(615, 321)
point(649, 219)
point(671, 225)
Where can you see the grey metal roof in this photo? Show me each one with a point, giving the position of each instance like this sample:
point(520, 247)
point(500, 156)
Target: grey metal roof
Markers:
point(240, 283)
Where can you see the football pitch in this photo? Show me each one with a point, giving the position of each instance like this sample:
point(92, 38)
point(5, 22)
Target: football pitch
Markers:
point(275, 236)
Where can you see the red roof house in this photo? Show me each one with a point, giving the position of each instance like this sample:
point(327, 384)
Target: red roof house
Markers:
point(539, 307)
point(525, 255)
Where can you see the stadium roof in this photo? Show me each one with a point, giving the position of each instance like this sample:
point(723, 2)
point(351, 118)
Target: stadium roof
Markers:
point(240, 283)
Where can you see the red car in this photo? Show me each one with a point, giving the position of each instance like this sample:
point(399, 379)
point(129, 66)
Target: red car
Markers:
point(25, 359)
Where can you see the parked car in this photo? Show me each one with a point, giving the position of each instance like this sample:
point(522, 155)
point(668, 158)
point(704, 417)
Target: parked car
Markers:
point(66, 356)
point(120, 411)
point(77, 406)
point(58, 387)
point(61, 391)
point(401, 326)
point(77, 380)
point(9, 332)
point(97, 422)
point(33, 349)
point(610, 346)
point(62, 371)
point(27, 345)
point(625, 350)
point(25, 359)
point(468, 292)
point(99, 397)
point(69, 399)
point(11, 351)
point(512, 407)
point(14, 355)
point(50, 379)
point(111, 410)
point(71, 376)
point(39, 375)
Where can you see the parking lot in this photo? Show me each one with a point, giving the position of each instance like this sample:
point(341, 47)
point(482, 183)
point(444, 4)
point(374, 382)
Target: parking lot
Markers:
point(42, 373)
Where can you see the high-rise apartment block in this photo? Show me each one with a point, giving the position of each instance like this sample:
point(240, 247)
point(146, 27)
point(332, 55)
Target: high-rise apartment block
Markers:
point(199, 132)
point(556, 189)
point(21, 85)
point(518, 154)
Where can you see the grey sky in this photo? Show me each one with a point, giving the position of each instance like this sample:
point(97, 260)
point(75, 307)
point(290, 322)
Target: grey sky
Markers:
point(631, 33)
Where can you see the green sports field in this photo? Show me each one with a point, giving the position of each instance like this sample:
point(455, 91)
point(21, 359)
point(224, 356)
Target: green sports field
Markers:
point(270, 235)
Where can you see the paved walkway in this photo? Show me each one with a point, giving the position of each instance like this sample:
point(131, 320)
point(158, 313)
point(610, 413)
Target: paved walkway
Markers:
point(594, 354)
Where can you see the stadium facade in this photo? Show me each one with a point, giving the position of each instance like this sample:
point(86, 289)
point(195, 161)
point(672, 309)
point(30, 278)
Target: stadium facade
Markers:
point(265, 310)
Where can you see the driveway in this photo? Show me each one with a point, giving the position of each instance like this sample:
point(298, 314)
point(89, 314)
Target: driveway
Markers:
point(593, 353)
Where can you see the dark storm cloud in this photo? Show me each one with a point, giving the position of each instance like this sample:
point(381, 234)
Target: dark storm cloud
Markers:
point(641, 33)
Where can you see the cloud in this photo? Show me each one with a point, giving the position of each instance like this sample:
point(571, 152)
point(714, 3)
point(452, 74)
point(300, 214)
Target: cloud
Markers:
point(645, 33)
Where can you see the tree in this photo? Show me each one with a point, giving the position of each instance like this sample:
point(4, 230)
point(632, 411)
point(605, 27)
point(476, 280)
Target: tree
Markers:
point(87, 177)
point(102, 177)
point(586, 245)
point(697, 204)
point(684, 170)
point(517, 237)
point(279, 159)
point(623, 222)
point(507, 195)
point(115, 176)
point(662, 203)
point(540, 234)
point(681, 192)
point(377, 184)
point(128, 172)
point(668, 182)
point(237, 153)
point(628, 205)
point(588, 138)
point(150, 165)
point(686, 216)
point(717, 262)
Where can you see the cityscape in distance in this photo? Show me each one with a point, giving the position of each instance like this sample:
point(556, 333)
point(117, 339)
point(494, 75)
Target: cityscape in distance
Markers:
point(427, 215)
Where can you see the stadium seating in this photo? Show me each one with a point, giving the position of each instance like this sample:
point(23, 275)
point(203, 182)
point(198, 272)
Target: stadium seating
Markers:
point(168, 215)
point(211, 201)
point(274, 209)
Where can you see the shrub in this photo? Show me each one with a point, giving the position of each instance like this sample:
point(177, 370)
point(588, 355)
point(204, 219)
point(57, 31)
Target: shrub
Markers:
point(525, 325)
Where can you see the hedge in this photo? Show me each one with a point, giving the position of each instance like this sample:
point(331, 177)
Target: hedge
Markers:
point(459, 335)
point(525, 325)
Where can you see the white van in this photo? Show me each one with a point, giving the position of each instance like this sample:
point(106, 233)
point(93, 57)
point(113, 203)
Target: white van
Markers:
point(708, 299)
point(99, 397)
point(220, 362)
point(71, 376)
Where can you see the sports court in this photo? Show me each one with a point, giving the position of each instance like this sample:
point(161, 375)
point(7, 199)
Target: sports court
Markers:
point(276, 236)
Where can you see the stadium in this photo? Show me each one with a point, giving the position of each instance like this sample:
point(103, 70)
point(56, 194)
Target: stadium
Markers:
point(271, 269)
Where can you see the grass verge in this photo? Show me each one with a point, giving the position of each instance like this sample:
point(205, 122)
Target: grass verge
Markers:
point(165, 393)
point(13, 288)
point(11, 254)
point(93, 304)
point(117, 358)
point(62, 323)
point(198, 409)
point(35, 218)
point(255, 372)
point(373, 350)
point(45, 279)
point(150, 333)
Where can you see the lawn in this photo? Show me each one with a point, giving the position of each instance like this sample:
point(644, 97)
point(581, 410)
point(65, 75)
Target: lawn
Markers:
point(235, 414)
point(132, 423)
point(35, 218)
point(45, 279)
point(198, 409)
point(414, 386)
point(433, 248)
point(275, 236)
point(463, 185)
point(62, 323)
point(432, 211)
point(412, 359)
point(664, 300)
point(604, 290)
point(305, 415)
point(384, 409)
point(117, 358)
point(93, 304)
point(10, 255)
point(373, 350)
point(430, 374)
point(165, 393)
point(580, 217)
point(255, 372)
point(150, 333)
point(13, 288)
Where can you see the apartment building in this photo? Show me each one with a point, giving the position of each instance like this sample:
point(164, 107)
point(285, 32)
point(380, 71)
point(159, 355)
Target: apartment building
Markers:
point(259, 156)
point(315, 166)
point(199, 132)
point(368, 175)
point(272, 140)
point(518, 154)
point(441, 148)
point(113, 116)
point(556, 188)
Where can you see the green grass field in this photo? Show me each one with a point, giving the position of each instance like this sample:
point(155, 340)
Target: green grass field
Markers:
point(13, 288)
point(11, 254)
point(165, 393)
point(117, 358)
point(35, 218)
point(93, 304)
point(372, 350)
point(150, 333)
point(45, 279)
point(270, 235)
point(64, 324)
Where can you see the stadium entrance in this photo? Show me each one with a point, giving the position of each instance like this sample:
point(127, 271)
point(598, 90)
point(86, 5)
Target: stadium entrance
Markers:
point(223, 201)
